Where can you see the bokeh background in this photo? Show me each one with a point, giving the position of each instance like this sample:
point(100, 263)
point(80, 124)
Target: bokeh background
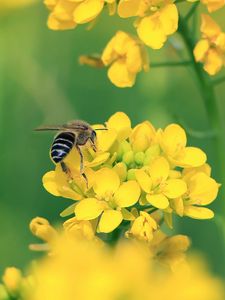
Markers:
point(41, 82)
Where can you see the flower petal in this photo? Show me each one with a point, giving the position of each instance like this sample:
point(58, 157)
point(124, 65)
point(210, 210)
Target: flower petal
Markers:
point(106, 182)
point(191, 157)
point(49, 183)
point(169, 18)
point(151, 32)
point(203, 189)
point(174, 188)
point(159, 170)
point(98, 160)
point(121, 123)
point(87, 11)
point(105, 139)
point(128, 8)
point(110, 220)
point(144, 180)
point(159, 201)
point(127, 194)
point(198, 212)
point(88, 209)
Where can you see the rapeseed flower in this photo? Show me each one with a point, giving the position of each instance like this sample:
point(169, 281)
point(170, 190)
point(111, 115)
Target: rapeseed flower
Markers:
point(210, 50)
point(134, 173)
point(126, 57)
point(156, 19)
point(213, 5)
point(67, 14)
point(84, 270)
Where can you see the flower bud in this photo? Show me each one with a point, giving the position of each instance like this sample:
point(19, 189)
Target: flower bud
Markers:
point(139, 158)
point(12, 279)
point(41, 228)
point(128, 157)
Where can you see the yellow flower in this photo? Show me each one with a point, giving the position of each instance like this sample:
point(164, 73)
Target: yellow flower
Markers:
point(9, 4)
point(158, 19)
point(12, 280)
point(213, 5)
point(41, 228)
point(202, 190)
point(173, 142)
point(85, 270)
point(67, 14)
point(109, 201)
point(79, 229)
point(210, 50)
point(157, 185)
point(170, 251)
point(126, 57)
point(142, 227)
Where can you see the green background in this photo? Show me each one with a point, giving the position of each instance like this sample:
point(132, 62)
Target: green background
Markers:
point(41, 82)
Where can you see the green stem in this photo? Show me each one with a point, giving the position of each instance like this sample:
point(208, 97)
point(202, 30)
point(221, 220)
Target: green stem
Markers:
point(208, 95)
point(171, 64)
point(218, 80)
point(191, 11)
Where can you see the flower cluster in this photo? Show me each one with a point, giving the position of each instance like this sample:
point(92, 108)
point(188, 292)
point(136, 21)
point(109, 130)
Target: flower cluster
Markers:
point(155, 21)
point(84, 270)
point(138, 178)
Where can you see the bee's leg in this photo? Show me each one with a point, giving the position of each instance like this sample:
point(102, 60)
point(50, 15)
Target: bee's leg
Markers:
point(82, 164)
point(66, 170)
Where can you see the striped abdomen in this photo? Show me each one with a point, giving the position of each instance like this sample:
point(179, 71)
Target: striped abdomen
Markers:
point(62, 145)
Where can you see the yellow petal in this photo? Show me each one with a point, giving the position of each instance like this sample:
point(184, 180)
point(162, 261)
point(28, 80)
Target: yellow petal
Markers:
point(178, 206)
point(106, 182)
point(200, 50)
point(49, 183)
point(198, 212)
point(142, 136)
point(159, 170)
point(121, 170)
point(213, 62)
point(119, 74)
point(149, 219)
point(144, 180)
point(159, 201)
point(209, 27)
point(191, 157)
point(128, 8)
point(151, 32)
point(174, 188)
point(88, 209)
point(203, 189)
point(110, 220)
point(127, 194)
point(121, 123)
point(169, 18)
point(54, 24)
point(105, 139)
point(173, 139)
point(87, 11)
point(98, 160)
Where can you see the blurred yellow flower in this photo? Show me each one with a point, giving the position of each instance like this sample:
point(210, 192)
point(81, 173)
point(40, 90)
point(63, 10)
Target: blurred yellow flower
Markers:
point(170, 251)
point(41, 228)
point(157, 19)
point(67, 14)
point(12, 279)
point(213, 5)
point(126, 57)
point(83, 270)
point(9, 4)
point(210, 50)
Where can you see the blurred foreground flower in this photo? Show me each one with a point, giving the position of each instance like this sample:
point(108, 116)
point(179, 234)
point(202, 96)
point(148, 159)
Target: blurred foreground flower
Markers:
point(210, 50)
point(10, 4)
point(84, 270)
point(134, 173)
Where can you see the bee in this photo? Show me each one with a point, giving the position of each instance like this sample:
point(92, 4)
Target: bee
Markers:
point(72, 134)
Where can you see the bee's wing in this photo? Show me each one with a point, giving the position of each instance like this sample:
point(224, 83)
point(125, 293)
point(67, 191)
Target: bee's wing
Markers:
point(52, 127)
